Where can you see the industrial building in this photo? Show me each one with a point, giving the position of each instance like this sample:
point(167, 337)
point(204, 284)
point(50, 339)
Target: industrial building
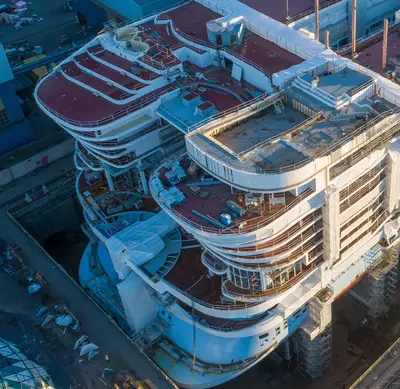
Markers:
point(15, 130)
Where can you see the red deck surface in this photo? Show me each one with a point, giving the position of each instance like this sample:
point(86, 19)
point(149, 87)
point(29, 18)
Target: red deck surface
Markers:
point(276, 9)
point(128, 82)
point(98, 84)
point(126, 65)
point(269, 56)
point(192, 277)
point(371, 56)
point(75, 103)
point(216, 203)
point(191, 19)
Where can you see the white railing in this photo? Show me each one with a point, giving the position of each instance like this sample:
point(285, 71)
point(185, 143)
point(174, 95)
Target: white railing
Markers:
point(235, 229)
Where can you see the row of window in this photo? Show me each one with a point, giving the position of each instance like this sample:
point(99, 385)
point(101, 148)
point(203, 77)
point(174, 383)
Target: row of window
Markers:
point(380, 199)
point(362, 192)
point(277, 331)
point(295, 316)
point(355, 185)
point(377, 143)
point(380, 219)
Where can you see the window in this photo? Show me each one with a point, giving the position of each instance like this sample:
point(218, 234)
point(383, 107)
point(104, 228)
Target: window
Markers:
point(264, 335)
point(278, 330)
point(246, 279)
point(3, 114)
point(285, 324)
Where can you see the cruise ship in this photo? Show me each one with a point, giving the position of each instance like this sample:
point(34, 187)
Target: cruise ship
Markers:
point(236, 177)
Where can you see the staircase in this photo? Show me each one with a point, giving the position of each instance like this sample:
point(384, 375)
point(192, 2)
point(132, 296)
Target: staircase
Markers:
point(168, 265)
point(318, 94)
point(149, 335)
point(217, 59)
point(279, 107)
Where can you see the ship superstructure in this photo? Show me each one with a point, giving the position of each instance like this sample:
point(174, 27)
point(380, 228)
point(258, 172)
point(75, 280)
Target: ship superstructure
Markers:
point(236, 177)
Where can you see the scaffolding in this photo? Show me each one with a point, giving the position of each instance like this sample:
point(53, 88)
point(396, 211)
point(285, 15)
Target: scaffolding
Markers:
point(377, 292)
point(148, 337)
point(312, 343)
point(314, 356)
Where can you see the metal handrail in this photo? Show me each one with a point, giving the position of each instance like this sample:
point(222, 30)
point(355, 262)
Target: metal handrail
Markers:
point(365, 39)
point(111, 118)
point(308, 12)
point(223, 306)
point(235, 229)
point(272, 291)
point(201, 125)
point(216, 47)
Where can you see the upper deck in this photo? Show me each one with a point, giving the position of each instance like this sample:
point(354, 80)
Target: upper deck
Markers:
point(136, 67)
point(370, 53)
point(310, 119)
point(278, 9)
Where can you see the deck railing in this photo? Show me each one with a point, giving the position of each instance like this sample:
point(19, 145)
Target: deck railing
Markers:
point(209, 45)
point(309, 12)
point(262, 295)
point(235, 229)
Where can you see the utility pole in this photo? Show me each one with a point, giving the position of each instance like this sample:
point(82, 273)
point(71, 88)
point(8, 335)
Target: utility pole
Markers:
point(385, 43)
point(287, 10)
point(354, 28)
point(327, 39)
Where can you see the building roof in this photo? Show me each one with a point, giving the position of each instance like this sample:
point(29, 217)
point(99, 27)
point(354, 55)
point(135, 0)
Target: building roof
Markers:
point(5, 69)
point(17, 372)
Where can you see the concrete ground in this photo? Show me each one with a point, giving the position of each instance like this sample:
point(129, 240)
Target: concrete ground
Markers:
point(48, 34)
point(42, 175)
point(17, 306)
point(47, 133)
point(94, 323)
point(356, 346)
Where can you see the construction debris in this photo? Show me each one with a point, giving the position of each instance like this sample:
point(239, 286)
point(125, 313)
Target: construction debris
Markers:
point(92, 354)
point(80, 341)
point(47, 319)
point(87, 348)
point(64, 320)
point(34, 288)
point(41, 311)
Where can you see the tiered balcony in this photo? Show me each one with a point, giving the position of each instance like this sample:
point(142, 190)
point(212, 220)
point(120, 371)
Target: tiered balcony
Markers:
point(95, 85)
point(118, 78)
point(278, 287)
point(89, 159)
point(190, 278)
point(100, 53)
point(189, 22)
point(211, 201)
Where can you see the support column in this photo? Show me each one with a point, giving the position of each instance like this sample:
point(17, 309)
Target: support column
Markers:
point(109, 180)
point(327, 43)
point(354, 27)
point(377, 292)
point(316, 6)
point(385, 43)
point(331, 229)
point(392, 189)
point(313, 340)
